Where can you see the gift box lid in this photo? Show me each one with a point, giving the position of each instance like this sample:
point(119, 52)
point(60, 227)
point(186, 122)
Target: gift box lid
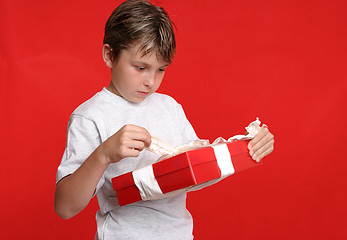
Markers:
point(183, 160)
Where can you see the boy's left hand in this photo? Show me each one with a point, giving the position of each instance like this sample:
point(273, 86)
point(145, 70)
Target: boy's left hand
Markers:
point(261, 145)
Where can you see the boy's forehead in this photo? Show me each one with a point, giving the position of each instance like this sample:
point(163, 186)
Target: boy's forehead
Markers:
point(137, 52)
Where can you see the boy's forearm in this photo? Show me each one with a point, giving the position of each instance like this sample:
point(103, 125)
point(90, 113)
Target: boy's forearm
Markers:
point(74, 192)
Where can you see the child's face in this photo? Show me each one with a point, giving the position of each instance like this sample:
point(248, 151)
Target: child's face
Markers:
point(135, 77)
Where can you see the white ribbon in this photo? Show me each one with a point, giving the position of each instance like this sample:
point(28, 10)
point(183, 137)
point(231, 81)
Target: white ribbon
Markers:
point(146, 183)
point(224, 162)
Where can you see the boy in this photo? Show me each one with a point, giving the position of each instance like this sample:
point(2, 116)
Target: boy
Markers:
point(107, 134)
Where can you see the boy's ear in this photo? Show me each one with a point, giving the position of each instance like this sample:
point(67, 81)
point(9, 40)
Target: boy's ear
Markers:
point(107, 55)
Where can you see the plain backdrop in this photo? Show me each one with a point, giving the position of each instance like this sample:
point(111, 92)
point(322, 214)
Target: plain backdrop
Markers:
point(282, 61)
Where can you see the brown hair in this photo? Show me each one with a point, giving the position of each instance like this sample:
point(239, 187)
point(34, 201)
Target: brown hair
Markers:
point(139, 22)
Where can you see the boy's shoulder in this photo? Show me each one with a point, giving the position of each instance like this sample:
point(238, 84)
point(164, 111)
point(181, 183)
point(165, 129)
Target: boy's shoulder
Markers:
point(91, 106)
point(163, 98)
point(164, 102)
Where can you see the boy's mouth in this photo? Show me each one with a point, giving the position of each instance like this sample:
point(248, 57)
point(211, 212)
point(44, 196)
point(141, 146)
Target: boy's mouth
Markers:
point(143, 93)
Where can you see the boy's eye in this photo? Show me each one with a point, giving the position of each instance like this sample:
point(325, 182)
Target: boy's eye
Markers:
point(140, 68)
point(161, 69)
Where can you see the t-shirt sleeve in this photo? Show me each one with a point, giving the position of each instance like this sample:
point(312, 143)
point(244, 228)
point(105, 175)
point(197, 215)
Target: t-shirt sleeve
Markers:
point(82, 139)
point(185, 128)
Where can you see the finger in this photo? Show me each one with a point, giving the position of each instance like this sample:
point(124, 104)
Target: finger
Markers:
point(138, 145)
point(144, 137)
point(138, 133)
point(132, 152)
point(126, 151)
point(267, 152)
point(263, 132)
point(263, 151)
point(135, 128)
point(256, 143)
point(130, 134)
point(262, 144)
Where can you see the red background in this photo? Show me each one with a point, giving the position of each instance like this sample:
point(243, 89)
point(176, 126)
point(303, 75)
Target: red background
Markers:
point(283, 61)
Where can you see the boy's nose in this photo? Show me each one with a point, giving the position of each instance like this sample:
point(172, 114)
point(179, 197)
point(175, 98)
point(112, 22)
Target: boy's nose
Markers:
point(150, 80)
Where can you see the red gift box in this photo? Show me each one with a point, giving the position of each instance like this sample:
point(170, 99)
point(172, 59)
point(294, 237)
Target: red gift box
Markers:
point(184, 171)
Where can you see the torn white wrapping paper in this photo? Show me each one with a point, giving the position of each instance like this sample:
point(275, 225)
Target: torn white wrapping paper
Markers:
point(160, 147)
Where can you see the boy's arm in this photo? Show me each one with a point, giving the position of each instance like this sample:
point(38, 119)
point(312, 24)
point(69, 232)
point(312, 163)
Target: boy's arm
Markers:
point(74, 192)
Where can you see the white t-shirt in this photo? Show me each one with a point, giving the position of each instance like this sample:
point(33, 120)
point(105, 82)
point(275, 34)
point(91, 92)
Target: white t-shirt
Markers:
point(99, 118)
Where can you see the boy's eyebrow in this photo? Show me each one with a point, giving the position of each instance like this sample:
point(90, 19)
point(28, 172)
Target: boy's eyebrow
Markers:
point(166, 65)
point(148, 65)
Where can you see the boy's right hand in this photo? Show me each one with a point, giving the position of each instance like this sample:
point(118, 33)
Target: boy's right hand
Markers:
point(129, 141)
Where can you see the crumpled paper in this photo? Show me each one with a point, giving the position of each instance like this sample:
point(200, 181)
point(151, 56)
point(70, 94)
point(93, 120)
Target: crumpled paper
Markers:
point(160, 147)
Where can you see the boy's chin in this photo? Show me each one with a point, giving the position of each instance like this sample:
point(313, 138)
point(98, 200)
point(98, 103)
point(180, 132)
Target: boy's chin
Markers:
point(137, 99)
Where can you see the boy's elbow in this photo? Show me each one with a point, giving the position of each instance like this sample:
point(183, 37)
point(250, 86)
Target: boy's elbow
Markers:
point(62, 209)
point(63, 213)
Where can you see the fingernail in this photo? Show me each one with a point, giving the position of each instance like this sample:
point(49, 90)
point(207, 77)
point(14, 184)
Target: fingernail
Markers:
point(251, 153)
point(254, 157)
